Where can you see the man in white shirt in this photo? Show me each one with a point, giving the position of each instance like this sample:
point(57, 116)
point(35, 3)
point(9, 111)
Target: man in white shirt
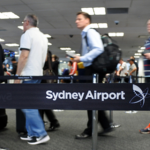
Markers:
point(33, 51)
point(122, 69)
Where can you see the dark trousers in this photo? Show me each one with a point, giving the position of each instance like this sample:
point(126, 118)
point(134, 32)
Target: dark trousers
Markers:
point(102, 118)
point(50, 116)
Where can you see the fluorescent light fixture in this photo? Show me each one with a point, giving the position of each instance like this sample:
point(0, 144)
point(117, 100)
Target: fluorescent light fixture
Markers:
point(12, 45)
point(61, 61)
point(112, 34)
point(137, 54)
point(88, 10)
point(103, 25)
point(72, 51)
point(100, 11)
point(119, 34)
point(142, 47)
point(16, 52)
point(49, 43)
point(65, 48)
point(94, 25)
point(140, 51)
point(2, 40)
point(47, 35)
point(8, 15)
point(16, 55)
point(20, 27)
point(78, 54)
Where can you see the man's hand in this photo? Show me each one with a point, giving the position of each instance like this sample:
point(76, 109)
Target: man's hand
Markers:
point(130, 73)
point(147, 55)
point(76, 59)
point(17, 81)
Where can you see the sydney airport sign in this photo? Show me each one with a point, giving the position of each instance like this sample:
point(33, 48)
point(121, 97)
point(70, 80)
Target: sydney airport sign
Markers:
point(86, 96)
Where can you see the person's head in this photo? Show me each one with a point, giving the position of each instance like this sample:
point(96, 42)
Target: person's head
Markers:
point(30, 21)
point(7, 65)
point(132, 57)
point(13, 60)
point(121, 61)
point(131, 61)
point(148, 26)
point(70, 63)
point(54, 58)
point(83, 19)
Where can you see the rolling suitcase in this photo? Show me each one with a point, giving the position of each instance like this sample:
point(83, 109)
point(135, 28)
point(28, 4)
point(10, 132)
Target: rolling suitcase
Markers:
point(3, 119)
point(20, 122)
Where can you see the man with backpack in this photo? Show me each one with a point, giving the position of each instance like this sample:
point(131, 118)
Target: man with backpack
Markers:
point(92, 47)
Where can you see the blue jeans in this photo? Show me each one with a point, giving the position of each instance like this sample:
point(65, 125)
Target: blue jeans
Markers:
point(34, 123)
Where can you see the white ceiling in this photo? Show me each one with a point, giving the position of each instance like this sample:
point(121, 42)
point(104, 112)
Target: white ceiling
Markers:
point(57, 18)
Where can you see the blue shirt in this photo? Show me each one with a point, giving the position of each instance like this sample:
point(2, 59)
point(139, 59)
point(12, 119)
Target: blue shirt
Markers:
point(146, 61)
point(94, 47)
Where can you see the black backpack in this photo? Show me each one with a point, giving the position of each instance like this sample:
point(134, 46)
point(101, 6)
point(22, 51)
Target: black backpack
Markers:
point(108, 60)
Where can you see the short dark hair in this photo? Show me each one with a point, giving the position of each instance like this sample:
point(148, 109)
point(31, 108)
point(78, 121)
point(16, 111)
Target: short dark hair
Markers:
point(86, 15)
point(13, 59)
point(70, 62)
point(33, 19)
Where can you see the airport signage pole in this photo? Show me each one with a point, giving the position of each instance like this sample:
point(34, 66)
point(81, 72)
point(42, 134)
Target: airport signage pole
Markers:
point(95, 120)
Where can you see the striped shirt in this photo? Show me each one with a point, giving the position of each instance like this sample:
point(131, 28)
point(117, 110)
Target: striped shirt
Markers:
point(146, 61)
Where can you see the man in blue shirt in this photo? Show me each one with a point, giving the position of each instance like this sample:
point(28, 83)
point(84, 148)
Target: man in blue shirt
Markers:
point(90, 50)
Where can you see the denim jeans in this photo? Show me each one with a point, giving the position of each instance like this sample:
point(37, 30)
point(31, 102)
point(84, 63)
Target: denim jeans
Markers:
point(34, 123)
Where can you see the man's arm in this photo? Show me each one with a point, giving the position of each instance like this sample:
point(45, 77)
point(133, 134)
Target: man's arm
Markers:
point(133, 71)
point(22, 61)
point(118, 72)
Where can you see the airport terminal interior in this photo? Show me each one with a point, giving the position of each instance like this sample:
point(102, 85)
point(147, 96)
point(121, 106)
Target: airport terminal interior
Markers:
point(125, 21)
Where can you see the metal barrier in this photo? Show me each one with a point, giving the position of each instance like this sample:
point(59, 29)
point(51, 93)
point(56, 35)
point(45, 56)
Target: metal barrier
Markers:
point(79, 96)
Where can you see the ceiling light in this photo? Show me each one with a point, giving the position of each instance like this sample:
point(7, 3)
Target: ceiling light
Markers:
point(94, 25)
point(116, 34)
point(112, 34)
point(137, 54)
point(140, 51)
point(8, 15)
point(47, 35)
point(20, 27)
point(142, 47)
point(72, 51)
point(2, 40)
point(65, 48)
point(99, 11)
point(88, 10)
point(61, 61)
point(16, 55)
point(16, 52)
point(49, 43)
point(12, 45)
point(119, 34)
point(103, 25)
point(78, 54)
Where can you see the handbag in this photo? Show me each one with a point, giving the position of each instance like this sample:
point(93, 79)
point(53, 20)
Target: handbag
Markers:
point(49, 71)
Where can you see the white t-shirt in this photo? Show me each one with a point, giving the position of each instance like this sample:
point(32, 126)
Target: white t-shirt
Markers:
point(34, 41)
point(133, 66)
point(124, 67)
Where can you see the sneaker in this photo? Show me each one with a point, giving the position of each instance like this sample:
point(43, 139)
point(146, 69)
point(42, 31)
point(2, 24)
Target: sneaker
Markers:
point(26, 137)
point(39, 140)
point(1, 148)
point(145, 130)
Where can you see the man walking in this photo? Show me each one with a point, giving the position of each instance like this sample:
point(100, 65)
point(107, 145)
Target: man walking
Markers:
point(33, 50)
point(91, 48)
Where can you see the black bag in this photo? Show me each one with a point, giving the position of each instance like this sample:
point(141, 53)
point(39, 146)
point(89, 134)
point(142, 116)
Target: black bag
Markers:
point(49, 71)
point(108, 60)
point(20, 122)
point(3, 119)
